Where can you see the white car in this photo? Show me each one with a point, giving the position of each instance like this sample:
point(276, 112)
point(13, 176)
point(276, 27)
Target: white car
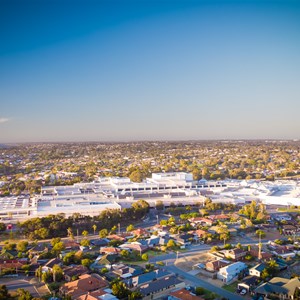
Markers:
point(243, 292)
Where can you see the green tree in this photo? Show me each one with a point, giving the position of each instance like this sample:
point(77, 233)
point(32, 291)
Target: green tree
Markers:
point(85, 233)
point(85, 242)
point(4, 295)
point(260, 233)
point(120, 290)
point(130, 228)
point(58, 248)
point(57, 273)
point(159, 205)
point(103, 233)
point(86, 262)
point(22, 246)
point(199, 291)
point(2, 227)
point(94, 228)
point(171, 244)
point(145, 257)
point(23, 295)
point(136, 176)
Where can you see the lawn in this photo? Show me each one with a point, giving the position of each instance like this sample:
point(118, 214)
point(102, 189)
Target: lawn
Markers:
point(231, 287)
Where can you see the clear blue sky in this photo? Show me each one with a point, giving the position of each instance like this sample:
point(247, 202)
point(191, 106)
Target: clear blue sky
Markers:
point(137, 70)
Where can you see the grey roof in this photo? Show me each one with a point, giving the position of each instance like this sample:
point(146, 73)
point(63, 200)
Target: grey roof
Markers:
point(147, 277)
point(155, 286)
point(268, 288)
point(259, 267)
point(279, 285)
point(249, 280)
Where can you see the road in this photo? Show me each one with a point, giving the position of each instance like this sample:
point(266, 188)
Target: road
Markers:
point(170, 258)
point(35, 288)
point(195, 281)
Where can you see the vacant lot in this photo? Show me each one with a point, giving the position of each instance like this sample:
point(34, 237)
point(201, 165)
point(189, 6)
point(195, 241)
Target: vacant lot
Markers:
point(187, 262)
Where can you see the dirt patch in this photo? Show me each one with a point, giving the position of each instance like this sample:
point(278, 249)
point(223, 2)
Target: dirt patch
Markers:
point(186, 263)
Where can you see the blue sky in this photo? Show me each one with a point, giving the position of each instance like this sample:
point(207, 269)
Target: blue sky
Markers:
point(149, 70)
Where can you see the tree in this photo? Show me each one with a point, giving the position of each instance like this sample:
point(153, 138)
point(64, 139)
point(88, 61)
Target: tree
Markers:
point(124, 253)
point(4, 295)
point(57, 273)
point(260, 233)
point(94, 228)
point(113, 229)
point(199, 291)
point(2, 227)
point(159, 205)
point(120, 290)
point(70, 233)
point(86, 262)
point(135, 295)
point(23, 295)
point(103, 233)
point(85, 242)
point(265, 274)
point(55, 241)
point(171, 244)
point(22, 246)
point(145, 257)
point(203, 212)
point(130, 228)
point(58, 248)
point(85, 233)
point(136, 176)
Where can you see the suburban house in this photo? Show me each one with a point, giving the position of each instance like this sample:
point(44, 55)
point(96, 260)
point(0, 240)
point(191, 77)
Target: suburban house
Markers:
point(215, 265)
point(221, 217)
point(201, 221)
point(86, 283)
point(185, 239)
point(100, 242)
point(248, 283)
point(162, 285)
point(134, 246)
point(50, 263)
point(97, 295)
point(231, 272)
point(110, 250)
point(257, 270)
point(146, 278)
point(183, 294)
point(124, 271)
point(235, 254)
point(38, 249)
point(281, 288)
point(200, 233)
point(74, 271)
point(283, 251)
point(11, 264)
point(140, 232)
point(265, 256)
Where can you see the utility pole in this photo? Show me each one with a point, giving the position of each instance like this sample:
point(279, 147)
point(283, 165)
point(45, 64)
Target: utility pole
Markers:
point(77, 236)
point(259, 247)
point(119, 227)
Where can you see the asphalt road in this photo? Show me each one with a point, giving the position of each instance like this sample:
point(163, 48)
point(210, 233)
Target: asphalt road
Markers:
point(15, 283)
point(195, 281)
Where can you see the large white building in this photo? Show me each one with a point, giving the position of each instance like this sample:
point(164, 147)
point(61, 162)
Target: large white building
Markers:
point(176, 187)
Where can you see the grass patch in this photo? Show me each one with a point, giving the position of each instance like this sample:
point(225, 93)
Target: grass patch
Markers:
point(283, 209)
point(152, 253)
point(231, 287)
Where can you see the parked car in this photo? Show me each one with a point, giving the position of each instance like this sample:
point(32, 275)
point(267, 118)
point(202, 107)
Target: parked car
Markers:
point(243, 292)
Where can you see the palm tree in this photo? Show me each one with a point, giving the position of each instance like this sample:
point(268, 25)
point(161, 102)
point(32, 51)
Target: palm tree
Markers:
point(94, 228)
